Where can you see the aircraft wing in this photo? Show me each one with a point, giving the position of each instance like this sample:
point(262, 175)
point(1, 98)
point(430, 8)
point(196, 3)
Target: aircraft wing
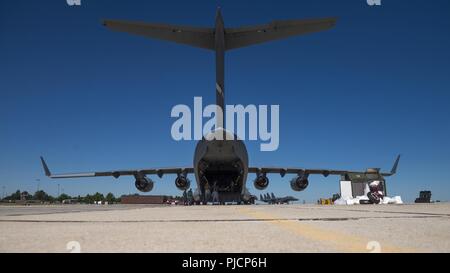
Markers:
point(193, 36)
point(245, 36)
point(116, 174)
point(324, 172)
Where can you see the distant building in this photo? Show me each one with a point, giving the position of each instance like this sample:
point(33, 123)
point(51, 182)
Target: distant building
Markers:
point(24, 195)
point(143, 199)
point(70, 201)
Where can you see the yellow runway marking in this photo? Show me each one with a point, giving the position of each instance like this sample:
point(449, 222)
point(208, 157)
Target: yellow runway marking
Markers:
point(340, 241)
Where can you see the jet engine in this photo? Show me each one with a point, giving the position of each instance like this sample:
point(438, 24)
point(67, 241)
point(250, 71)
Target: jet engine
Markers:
point(144, 184)
point(299, 183)
point(261, 182)
point(182, 183)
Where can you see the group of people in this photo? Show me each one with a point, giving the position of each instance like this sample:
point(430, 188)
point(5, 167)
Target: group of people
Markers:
point(188, 196)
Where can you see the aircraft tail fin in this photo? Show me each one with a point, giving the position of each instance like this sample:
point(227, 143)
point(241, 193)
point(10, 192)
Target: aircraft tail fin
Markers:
point(246, 36)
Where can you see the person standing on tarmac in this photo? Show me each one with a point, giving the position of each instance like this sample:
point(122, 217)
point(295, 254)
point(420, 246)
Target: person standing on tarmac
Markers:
point(185, 200)
point(207, 194)
point(215, 194)
point(190, 197)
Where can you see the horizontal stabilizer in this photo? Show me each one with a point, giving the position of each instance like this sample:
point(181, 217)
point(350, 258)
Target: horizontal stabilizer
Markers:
point(246, 36)
point(193, 36)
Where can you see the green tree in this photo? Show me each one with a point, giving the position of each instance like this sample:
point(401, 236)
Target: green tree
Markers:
point(88, 199)
point(63, 197)
point(98, 197)
point(50, 199)
point(110, 198)
point(14, 196)
point(41, 196)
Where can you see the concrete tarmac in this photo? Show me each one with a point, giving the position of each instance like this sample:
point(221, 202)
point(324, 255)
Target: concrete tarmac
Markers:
point(257, 228)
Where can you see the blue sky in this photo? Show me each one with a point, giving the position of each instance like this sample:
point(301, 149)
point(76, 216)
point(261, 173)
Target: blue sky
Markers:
point(350, 98)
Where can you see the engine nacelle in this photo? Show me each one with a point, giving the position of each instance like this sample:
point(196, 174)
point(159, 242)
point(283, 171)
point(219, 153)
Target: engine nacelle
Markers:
point(299, 183)
point(261, 182)
point(182, 183)
point(144, 184)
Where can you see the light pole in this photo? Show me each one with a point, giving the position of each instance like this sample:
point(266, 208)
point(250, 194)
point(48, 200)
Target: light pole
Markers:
point(3, 194)
point(38, 184)
point(58, 189)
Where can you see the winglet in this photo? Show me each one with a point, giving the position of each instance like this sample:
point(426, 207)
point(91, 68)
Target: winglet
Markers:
point(394, 168)
point(46, 170)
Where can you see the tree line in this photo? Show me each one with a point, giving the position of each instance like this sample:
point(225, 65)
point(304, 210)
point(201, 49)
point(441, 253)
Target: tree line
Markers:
point(42, 196)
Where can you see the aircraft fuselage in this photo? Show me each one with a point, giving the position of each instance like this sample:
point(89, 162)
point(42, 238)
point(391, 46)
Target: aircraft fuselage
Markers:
point(221, 165)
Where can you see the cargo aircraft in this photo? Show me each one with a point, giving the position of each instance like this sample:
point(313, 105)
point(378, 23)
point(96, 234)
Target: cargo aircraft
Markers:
point(222, 165)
